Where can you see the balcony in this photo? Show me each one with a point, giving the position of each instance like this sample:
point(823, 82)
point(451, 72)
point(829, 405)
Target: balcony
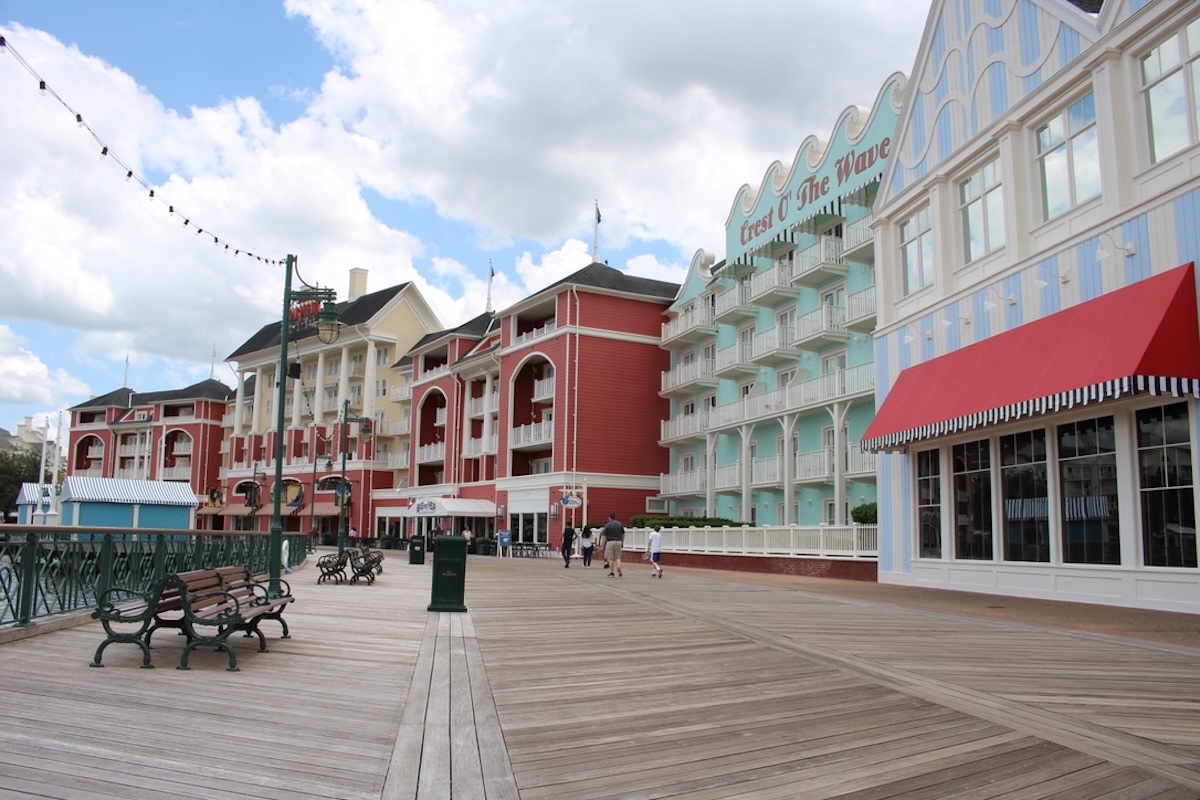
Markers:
point(799, 395)
point(859, 244)
point(682, 483)
point(398, 460)
point(399, 427)
point(175, 474)
point(695, 324)
point(765, 472)
point(537, 333)
point(812, 467)
point(823, 327)
point(686, 426)
point(859, 463)
point(543, 390)
point(536, 434)
point(728, 476)
point(181, 449)
point(860, 311)
point(439, 417)
point(434, 453)
point(434, 372)
point(735, 304)
point(820, 263)
point(687, 378)
point(774, 347)
point(402, 394)
point(474, 448)
point(774, 286)
point(130, 450)
point(735, 360)
point(95, 451)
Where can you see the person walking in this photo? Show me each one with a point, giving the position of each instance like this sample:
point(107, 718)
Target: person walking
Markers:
point(614, 539)
point(567, 540)
point(586, 546)
point(654, 550)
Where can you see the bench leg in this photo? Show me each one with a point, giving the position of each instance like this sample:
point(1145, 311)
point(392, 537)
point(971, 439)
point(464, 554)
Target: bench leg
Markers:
point(145, 652)
point(187, 651)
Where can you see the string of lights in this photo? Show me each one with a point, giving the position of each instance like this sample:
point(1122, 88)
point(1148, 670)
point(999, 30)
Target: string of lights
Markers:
point(130, 173)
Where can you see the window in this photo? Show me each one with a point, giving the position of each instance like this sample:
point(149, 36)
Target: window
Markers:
point(929, 502)
point(310, 372)
point(973, 500)
point(688, 408)
point(1171, 87)
point(709, 352)
point(1167, 498)
point(381, 387)
point(1087, 467)
point(784, 377)
point(1069, 158)
point(746, 389)
point(916, 251)
point(687, 463)
point(785, 327)
point(1024, 486)
point(981, 197)
point(333, 366)
point(381, 356)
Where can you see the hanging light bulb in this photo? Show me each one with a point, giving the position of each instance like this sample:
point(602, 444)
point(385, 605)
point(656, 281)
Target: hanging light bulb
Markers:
point(79, 120)
point(151, 194)
point(128, 174)
point(104, 151)
point(42, 88)
point(171, 210)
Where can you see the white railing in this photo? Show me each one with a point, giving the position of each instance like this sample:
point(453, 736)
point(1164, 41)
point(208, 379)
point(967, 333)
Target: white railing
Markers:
point(795, 396)
point(439, 416)
point(175, 474)
point(701, 369)
point(827, 250)
point(684, 425)
point(772, 341)
point(401, 394)
point(826, 319)
point(811, 465)
point(476, 447)
point(398, 460)
point(859, 232)
point(543, 389)
point(728, 476)
point(433, 372)
point(820, 541)
point(859, 462)
point(737, 296)
point(181, 449)
point(696, 317)
point(771, 279)
point(733, 355)
point(399, 427)
point(536, 333)
point(131, 450)
point(95, 451)
point(861, 304)
point(682, 483)
point(534, 433)
point(764, 470)
point(431, 452)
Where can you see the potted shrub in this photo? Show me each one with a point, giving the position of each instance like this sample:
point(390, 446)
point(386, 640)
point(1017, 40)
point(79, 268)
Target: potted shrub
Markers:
point(484, 545)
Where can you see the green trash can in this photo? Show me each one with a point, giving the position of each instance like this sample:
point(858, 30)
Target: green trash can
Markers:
point(416, 549)
point(449, 574)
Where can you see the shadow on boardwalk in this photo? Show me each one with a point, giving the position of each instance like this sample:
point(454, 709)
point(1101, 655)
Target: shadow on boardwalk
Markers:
point(565, 684)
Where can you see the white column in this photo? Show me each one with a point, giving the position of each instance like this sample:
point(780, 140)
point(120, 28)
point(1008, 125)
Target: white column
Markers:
point(487, 412)
point(239, 397)
point(343, 377)
point(256, 409)
point(369, 383)
point(319, 389)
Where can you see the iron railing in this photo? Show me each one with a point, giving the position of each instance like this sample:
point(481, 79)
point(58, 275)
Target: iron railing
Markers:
point(49, 570)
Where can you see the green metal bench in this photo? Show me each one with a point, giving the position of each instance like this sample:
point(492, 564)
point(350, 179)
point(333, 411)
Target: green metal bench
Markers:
point(217, 603)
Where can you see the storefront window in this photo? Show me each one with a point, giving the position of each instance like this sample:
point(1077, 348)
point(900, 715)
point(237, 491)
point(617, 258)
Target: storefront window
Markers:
point(1087, 470)
point(973, 500)
point(916, 251)
point(929, 502)
point(1023, 486)
point(1167, 498)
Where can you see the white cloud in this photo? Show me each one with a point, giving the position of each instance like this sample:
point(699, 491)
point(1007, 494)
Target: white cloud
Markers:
point(26, 379)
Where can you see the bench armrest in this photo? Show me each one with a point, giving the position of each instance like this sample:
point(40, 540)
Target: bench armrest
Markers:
point(121, 604)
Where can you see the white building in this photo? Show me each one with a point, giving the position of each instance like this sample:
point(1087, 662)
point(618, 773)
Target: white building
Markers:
point(1037, 348)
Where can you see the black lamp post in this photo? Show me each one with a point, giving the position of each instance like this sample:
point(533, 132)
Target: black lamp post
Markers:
point(345, 487)
point(328, 327)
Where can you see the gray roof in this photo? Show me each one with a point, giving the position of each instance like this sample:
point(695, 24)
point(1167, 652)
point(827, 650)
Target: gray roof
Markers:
point(127, 398)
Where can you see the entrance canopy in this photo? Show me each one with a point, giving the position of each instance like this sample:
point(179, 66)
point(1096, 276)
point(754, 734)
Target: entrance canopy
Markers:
point(451, 507)
point(1143, 338)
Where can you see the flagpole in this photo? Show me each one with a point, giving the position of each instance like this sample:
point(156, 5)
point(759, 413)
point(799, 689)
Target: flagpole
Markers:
point(491, 274)
point(596, 236)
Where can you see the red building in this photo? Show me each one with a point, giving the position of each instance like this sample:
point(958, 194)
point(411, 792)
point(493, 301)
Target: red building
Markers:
point(168, 436)
point(541, 415)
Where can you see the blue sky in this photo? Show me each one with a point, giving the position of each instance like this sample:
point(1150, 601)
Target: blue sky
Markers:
point(418, 140)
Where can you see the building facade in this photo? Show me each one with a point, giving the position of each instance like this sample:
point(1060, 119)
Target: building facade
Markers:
point(771, 379)
point(173, 435)
point(1037, 351)
point(346, 416)
point(541, 415)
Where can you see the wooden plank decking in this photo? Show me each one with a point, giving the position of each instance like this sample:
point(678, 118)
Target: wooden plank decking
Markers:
point(564, 684)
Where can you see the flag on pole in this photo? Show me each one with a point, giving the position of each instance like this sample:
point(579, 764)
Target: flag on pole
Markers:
point(491, 270)
point(597, 213)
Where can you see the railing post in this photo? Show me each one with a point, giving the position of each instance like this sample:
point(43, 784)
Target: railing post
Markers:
point(160, 558)
point(29, 558)
point(104, 577)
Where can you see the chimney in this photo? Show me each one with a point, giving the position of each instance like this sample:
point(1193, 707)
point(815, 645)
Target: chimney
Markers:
point(358, 283)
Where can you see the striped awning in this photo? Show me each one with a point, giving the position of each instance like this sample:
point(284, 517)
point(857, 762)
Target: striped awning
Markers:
point(237, 510)
point(87, 489)
point(1142, 339)
point(208, 510)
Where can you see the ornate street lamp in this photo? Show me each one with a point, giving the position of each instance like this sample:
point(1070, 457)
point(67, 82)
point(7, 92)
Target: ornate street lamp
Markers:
point(365, 422)
point(296, 302)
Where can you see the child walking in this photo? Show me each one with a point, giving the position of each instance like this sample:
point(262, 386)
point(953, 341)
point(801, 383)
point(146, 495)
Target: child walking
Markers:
point(654, 548)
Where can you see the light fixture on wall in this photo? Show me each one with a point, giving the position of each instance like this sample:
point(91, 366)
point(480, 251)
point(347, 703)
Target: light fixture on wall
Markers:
point(909, 338)
point(1050, 274)
point(988, 305)
point(948, 320)
point(1129, 249)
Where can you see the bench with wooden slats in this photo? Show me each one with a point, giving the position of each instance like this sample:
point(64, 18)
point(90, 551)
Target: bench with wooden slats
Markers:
point(213, 610)
point(364, 564)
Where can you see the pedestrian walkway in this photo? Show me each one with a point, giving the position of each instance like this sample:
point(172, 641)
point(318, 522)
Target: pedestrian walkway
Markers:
point(564, 684)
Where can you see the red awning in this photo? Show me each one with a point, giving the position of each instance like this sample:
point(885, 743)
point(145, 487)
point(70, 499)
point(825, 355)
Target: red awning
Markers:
point(322, 510)
point(203, 510)
point(1142, 339)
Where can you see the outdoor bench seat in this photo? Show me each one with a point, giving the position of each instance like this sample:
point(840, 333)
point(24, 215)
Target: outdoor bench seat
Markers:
point(333, 566)
point(364, 564)
point(128, 617)
point(215, 606)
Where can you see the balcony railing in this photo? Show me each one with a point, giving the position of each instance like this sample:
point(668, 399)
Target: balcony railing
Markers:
point(434, 452)
point(820, 262)
point(728, 476)
point(95, 451)
point(682, 483)
point(398, 460)
point(477, 447)
point(812, 466)
point(439, 416)
point(536, 333)
point(402, 394)
point(764, 471)
point(735, 302)
point(534, 433)
point(796, 396)
point(685, 374)
point(860, 310)
point(685, 426)
point(858, 233)
point(859, 462)
point(543, 389)
point(695, 321)
point(811, 541)
point(826, 324)
point(175, 474)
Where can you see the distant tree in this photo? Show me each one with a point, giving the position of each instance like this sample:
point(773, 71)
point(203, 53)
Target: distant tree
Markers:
point(16, 467)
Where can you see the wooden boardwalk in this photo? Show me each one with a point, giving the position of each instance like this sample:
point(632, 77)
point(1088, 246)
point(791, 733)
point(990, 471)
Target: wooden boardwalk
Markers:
point(565, 684)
